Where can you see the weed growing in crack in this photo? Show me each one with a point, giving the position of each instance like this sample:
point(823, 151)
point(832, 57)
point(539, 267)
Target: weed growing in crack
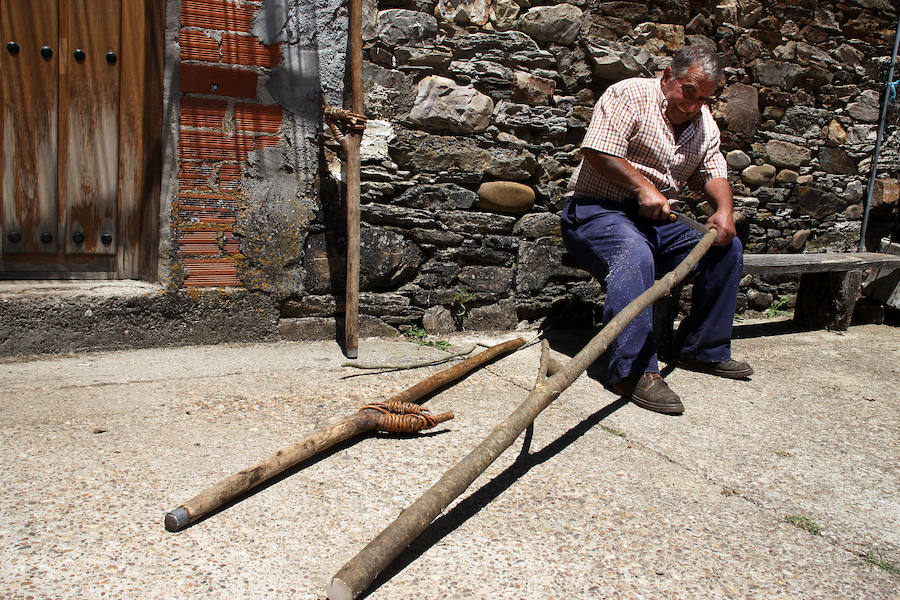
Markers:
point(778, 308)
point(804, 523)
point(877, 561)
point(417, 335)
point(613, 431)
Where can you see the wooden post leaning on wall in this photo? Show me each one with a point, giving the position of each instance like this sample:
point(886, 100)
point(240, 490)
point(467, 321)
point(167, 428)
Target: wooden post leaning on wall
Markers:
point(352, 164)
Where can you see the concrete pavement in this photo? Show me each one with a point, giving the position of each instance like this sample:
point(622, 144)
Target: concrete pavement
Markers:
point(611, 501)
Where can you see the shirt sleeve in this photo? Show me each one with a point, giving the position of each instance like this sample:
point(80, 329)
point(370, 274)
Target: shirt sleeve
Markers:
point(712, 165)
point(613, 124)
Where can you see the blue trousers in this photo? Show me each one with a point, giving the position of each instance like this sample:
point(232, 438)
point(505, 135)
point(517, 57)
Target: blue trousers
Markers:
point(610, 239)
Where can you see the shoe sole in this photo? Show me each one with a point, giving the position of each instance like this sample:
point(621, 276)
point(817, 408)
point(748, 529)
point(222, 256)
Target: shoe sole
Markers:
point(665, 409)
point(726, 374)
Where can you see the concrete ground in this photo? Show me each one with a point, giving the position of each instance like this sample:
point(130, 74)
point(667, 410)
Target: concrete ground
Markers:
point(611, 501)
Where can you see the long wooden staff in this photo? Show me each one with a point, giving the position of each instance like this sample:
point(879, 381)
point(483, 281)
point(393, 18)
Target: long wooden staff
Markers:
point(354, 120)
point(397, 414)
point(351, 151)
point(355, 576)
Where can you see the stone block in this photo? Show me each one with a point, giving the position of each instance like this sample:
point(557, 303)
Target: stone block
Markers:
point(499, 316)
point(836, 134)
point(557, 23)
point(532, 89)
point(739, 109)
point(442, 105)
point(885, 191)
point(464, 12)
point(538, 225)
point(495, 280)
point(399, 27)
point(738, 160)
point(328, 328)
point(438, 319)
point(758, 175)
point(505, 196)
point(836, 160)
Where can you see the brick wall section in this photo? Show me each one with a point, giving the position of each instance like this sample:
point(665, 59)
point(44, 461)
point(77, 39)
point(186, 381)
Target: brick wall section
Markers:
point(221, 121)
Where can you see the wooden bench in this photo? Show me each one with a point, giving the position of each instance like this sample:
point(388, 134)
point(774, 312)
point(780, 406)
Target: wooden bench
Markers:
point(829, 286)
point(829, 282)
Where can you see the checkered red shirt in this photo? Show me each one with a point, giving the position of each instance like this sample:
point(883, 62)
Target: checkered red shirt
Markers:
point(629, 122)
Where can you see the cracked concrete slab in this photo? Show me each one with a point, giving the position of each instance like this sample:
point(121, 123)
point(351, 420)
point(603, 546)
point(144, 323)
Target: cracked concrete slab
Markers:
point(609, 501)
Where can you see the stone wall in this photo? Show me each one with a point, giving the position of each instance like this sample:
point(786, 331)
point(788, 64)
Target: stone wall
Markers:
point(477, 109)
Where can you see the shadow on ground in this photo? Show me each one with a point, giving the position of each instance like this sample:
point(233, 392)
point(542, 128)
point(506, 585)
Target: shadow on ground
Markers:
point(570, 341)
point(487, 493)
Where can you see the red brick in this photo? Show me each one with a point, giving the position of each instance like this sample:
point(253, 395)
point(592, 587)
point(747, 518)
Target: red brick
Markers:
point(215, 146)
point(194, 175)
point(203, 112)
point(199, 242)
point(209, 211)
point(232, 244)
point(222, 200)
point(218, 199)
point(210, 272)
point(257, 117)
point(230, 171)
point(266, 141)
point(205, 217)
point(230, 176)
point(217, 14)
point(247, 50)
point(221, 81)
point(196, 45)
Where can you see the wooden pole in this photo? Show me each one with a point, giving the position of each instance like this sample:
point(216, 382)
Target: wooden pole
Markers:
point(231, 487)
point(351, 145)
point(358, 573)
point(441, 378)
point(365, 420)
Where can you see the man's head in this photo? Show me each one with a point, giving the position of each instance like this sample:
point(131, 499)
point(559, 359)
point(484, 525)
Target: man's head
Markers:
point(689, 82)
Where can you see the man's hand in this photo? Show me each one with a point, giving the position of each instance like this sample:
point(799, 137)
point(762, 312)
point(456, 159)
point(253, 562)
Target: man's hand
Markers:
point(718, 191)
point(723, 221)
point(652, 204)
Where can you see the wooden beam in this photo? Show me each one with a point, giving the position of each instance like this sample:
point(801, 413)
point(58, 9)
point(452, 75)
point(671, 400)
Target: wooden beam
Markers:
point(777, 264)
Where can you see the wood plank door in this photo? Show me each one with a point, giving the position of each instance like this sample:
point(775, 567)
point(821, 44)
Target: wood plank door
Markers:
point(89, 125)
point(80, 120)
point(29, 75)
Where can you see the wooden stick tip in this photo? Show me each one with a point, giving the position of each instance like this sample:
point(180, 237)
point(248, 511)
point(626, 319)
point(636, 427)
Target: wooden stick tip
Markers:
point(338, 590)
point(445, 416)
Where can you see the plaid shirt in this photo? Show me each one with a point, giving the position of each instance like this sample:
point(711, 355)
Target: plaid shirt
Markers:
point(629, 122)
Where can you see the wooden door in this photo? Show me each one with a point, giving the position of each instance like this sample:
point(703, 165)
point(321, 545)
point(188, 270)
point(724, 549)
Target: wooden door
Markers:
point(80, 124)
point(89, 125)
point(29, 75)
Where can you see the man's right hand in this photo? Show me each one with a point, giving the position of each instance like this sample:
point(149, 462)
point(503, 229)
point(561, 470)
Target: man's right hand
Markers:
point(652, 204)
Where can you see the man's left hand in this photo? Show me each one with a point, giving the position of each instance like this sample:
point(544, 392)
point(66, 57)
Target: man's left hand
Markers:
point(723, 221)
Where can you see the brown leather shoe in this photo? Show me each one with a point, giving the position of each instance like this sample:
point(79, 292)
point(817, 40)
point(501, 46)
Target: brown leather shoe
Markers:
point(732, 369)
point(651, 392)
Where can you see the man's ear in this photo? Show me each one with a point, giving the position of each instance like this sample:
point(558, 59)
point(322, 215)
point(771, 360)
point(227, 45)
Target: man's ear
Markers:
point(667, 74)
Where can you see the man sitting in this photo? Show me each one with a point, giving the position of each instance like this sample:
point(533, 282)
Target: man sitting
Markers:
point(647, 139)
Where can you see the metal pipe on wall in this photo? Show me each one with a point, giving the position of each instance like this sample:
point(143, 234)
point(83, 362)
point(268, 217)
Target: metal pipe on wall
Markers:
point(874, 167)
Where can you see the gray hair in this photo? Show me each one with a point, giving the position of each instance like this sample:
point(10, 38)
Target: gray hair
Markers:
point(699, 56)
